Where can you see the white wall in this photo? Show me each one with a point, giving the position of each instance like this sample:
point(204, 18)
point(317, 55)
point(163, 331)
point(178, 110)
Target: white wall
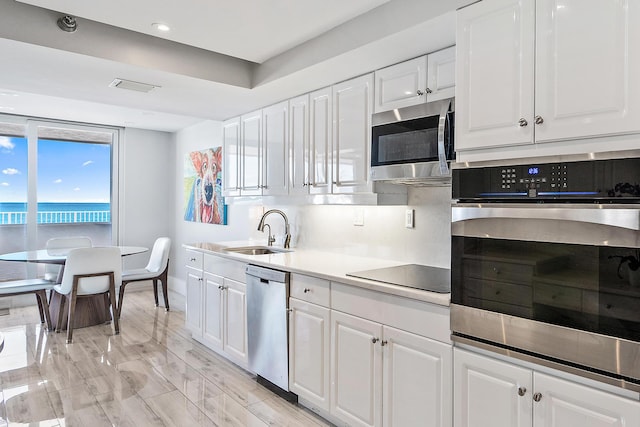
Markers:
point(383, 234)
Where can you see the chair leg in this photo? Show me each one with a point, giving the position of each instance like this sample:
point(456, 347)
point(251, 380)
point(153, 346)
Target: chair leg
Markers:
point(72, 310)
point(40, 309)
point(165, 290)
point(60, 312)
point(112, 296)
point(155, 290)
point(121, 298)
point(42, 302)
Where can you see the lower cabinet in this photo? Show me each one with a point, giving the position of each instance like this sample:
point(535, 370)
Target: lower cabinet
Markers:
point(493, 393)
point(216, 311)
point(383, 376)
point(309, 346)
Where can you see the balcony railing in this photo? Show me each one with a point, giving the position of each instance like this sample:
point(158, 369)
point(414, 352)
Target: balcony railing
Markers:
point(58, 217)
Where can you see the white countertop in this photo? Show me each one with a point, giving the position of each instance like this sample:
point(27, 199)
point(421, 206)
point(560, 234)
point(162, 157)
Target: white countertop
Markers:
point(324, 265)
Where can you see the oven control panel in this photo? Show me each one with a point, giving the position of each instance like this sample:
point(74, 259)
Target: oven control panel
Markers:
point(616, 179)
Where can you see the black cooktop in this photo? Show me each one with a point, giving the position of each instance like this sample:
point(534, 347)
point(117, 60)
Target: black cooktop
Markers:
point(433, 279)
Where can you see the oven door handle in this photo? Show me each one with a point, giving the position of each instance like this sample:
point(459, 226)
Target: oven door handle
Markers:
point(442, 126)
point(622, 217)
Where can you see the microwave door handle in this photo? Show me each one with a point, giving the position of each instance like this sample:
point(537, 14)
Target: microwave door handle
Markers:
point(442, 122)
point(623, 218)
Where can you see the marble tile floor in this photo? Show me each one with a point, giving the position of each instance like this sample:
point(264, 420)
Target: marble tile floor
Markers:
point(152, 374)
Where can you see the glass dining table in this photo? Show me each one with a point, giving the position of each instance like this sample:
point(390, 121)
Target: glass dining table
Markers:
point(89, 311)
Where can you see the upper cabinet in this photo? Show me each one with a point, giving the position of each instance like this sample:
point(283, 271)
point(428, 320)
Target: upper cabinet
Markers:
point(532, 71)
point(423, 79)
point(275, 162)
point(320, 113)
point(231, 157)
point(352, 107)
point(251, 157)
point(299, 145)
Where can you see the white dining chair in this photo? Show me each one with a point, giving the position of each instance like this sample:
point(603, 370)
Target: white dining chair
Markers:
point(51, 271)
point(89, 271)
point(157, 269)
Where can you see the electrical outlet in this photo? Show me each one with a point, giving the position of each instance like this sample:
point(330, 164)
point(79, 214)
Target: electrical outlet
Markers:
point(358, 217)
point(408, 218)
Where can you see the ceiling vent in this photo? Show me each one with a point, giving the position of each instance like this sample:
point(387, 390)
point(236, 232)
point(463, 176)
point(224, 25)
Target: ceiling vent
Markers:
point(131, 85)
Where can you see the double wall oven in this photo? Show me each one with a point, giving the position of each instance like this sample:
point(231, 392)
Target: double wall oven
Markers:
point(546, 263)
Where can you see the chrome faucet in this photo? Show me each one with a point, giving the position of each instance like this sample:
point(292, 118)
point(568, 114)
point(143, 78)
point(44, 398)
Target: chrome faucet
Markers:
point(287, 236)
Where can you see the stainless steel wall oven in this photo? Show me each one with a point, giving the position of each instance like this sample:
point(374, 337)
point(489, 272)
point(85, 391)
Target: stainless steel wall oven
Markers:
point(546, 263)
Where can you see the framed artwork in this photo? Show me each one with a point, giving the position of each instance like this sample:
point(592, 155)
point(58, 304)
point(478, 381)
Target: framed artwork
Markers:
point(203, 201)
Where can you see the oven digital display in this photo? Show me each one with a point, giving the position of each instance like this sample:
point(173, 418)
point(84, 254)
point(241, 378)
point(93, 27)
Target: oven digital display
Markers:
point(534, 170)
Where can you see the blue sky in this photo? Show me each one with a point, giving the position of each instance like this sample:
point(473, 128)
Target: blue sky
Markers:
point(67, 171)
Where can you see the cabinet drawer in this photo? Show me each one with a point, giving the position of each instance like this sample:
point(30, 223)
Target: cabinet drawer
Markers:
point(224, 267)
point(194, 259)
point(311, 289)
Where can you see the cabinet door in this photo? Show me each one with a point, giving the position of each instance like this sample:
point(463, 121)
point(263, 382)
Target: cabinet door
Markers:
point(231, 157)
point(251, 157)
point(352, 106)
point(320, 116)
point(299, 145)
point(212, 328)
point(235, 321)
point(563, 403)
point(587, 68)
point(441, 74)
point(309, 340)
point(401, 85)
point(275, 161)
point(487, 392)
point(356, 370)
point(193, 312)
point(494, 74)
point(416, 380)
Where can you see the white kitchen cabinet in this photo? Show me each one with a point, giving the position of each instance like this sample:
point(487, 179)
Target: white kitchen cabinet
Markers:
point(299, 166)
point(494, 393)
point(401, 85)
point(424, 79)
point(383, 376)
point(576, 59)
point(320, 126)
point(490, 393)
point(251, 154)
point(216, 312)
point(352, 107)
point(235, 320)
point(416, 380)
point(213, 311)
point(356, 370)
point(309, 343)
point(231, 150)
point(193, 310)
point(441, 74)
point(275, 161)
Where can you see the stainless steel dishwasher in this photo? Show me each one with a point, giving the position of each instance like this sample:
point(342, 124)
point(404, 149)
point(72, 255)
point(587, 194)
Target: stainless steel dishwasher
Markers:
point(267, 324)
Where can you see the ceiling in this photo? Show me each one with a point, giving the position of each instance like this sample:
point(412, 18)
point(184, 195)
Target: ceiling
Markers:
point(219, 59)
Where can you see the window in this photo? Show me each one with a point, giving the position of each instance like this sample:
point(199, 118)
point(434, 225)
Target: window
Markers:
point(57, 180)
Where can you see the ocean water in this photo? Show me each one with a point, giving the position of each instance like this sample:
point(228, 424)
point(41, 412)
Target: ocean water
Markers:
point(54, 213)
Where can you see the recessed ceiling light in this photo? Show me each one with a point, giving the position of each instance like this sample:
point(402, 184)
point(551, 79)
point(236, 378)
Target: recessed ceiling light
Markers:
point(161, 27)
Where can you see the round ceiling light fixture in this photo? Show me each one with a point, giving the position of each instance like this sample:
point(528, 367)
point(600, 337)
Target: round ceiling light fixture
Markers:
point(67, 23)
point(161, 27)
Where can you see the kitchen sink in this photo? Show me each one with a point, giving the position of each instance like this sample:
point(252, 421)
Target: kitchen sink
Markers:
point(256, 250)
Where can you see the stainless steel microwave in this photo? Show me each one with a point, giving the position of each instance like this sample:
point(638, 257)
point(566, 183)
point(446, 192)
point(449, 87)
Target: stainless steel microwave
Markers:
point(413, 144)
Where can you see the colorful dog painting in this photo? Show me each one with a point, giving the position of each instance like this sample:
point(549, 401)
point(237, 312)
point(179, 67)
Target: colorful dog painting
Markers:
point(203, 187)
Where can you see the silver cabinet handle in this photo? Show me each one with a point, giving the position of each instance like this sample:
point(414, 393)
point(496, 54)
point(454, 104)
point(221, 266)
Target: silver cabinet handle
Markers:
point(221, 287)
point(428, 90)
point(375, 340)
point(383, 343)
point(539, 120)
point(192, 259)
point(537, 397)
point(523, 122)
point(306, 290)
point(419, 92)
point(522, 391)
